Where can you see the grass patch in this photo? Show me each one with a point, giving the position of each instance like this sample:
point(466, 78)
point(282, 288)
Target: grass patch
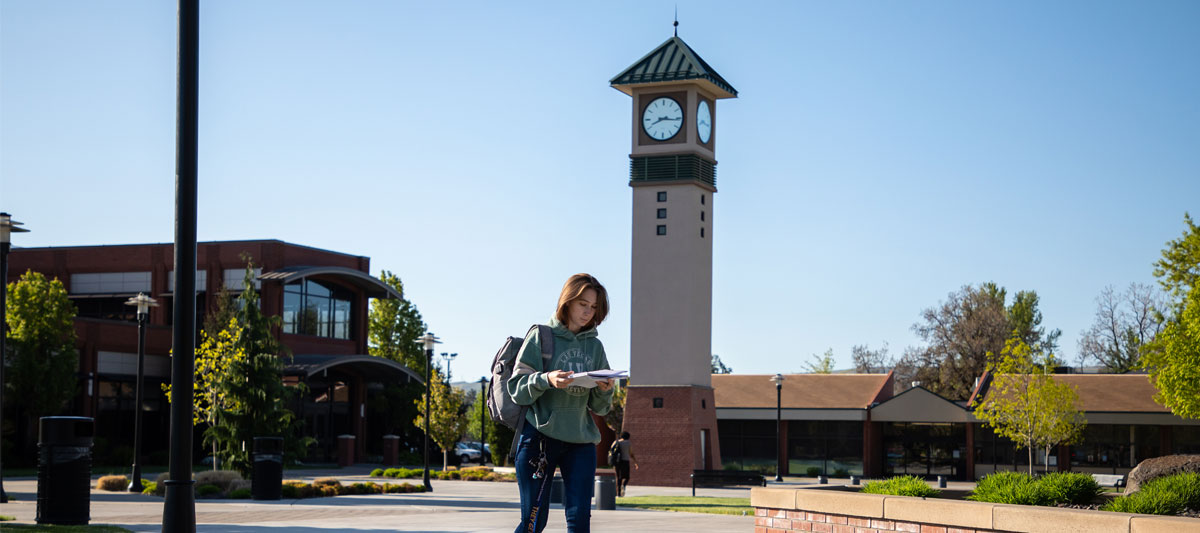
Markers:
point(1168, 495)
point(6, 518)
point(688, 504)
point(65, 529)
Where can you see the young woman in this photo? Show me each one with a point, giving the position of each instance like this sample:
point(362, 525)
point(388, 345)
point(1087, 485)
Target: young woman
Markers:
point(559, 432)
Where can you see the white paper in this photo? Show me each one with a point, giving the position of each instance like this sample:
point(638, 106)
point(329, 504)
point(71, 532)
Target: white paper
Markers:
point(589, 379)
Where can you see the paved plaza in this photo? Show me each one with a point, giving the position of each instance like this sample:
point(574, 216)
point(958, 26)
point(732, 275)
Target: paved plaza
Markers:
point(453, 506)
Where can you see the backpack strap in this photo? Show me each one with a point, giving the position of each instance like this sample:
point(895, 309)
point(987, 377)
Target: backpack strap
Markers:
point(546, 340)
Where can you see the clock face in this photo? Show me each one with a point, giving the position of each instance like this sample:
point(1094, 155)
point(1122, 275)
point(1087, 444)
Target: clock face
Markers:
point(662, 119)
point(703, 122)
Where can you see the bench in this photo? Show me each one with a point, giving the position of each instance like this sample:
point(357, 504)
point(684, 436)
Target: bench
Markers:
point(1109, 480)
point(722, 478)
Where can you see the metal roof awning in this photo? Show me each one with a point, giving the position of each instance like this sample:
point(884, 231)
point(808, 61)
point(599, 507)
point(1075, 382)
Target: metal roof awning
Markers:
point(672, 61)
point(372, 286)
point(309, 365)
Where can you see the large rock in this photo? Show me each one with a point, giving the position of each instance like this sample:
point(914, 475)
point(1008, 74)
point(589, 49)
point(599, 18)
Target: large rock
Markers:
point(1159, 467)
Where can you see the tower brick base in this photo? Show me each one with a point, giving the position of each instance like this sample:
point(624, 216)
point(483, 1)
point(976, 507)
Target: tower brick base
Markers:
point(674, 439)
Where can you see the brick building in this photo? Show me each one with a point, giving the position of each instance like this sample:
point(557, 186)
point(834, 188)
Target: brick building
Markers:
point(321, 295)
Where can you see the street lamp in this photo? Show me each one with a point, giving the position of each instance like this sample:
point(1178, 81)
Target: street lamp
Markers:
point(777, 379)
point(143, 303)
point(482, 411)
point(447, 357)
point(8, 226)
point(429, 340)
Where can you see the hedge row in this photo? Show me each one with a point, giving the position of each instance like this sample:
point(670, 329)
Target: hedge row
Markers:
point(475, 473)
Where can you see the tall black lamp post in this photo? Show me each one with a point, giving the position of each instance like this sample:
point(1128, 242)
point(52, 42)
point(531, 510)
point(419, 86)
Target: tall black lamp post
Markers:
point(429, 340)
point(179, 500)
point(8, 226)
point(482, 411)
point(777, 379)
point(143, 303)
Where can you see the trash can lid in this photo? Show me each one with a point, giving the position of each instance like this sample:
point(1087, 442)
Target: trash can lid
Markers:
point(66, 430)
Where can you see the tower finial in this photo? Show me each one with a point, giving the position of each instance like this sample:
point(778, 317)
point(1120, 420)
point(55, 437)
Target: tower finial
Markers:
point(676, 20)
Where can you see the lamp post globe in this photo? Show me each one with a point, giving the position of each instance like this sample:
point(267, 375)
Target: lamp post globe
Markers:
point(8, 226)
point(143, 303)
point(777, 379)
point(429, 341)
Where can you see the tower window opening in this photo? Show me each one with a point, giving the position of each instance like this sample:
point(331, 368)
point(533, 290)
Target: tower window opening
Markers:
point(702, 216)
point(662, 212)
point(658, 403)
point(662, 196)
point(701, 233)
point(662, 229)
point(701, 199)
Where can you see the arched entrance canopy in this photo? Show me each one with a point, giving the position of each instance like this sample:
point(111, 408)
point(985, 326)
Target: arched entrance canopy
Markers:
point(377, 368)
point(372, 286)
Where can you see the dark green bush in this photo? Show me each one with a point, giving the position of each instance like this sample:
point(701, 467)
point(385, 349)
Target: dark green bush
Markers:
point(378, 472)
point(812, 471)
point(240, 494)
point(1010, 487)
point(901, 486)
point(1070, 487)
point(1168, 495)
point(207, 490)
point(841, 472)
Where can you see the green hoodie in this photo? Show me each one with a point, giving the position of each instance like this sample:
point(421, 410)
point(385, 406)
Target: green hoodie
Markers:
point(561, 413)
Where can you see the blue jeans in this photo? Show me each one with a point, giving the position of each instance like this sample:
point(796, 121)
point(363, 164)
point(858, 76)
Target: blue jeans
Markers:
point(578, 465)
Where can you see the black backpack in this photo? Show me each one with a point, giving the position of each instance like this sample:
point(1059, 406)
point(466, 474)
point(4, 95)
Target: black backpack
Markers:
point(614, 453)
point(501, 406)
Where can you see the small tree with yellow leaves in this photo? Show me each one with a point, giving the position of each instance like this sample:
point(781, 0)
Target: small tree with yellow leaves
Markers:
point(1026, 405)
point(447, 423)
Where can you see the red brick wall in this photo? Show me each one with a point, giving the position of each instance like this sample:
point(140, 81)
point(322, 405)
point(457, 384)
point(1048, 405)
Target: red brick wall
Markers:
point(666, 440)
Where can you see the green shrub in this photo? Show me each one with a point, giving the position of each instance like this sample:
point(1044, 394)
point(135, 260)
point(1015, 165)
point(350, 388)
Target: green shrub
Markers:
point(221, 478)
point(326, 482)
point(1010, 487)
point(1070, 487)
point(149, 488)
point(841, 472)
point(112, 483)
point(1168, 495)
point(378, 472)
point(207, 490)
point(290, 492)
point(901, 486)
point(812, 471)
point(240, 494)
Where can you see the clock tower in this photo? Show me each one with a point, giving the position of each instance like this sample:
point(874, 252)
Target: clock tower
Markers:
point(669, 409)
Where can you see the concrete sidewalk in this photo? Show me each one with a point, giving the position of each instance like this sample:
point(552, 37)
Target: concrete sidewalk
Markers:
point(453, 506)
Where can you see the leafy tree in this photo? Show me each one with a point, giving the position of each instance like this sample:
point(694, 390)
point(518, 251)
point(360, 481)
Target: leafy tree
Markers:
point(718, 367)
point(446, 420)
point(964, 333)
point(394, 326)
point(214, 362)
point(500, 439)
point(476, 412)
point(41, 363)
point(868, 361)
point(1179, 269)
point(1025, 404)
point(615, 417)
point(251, 398)
point(1174, 360)
point(1125, 324)
point(821, 364)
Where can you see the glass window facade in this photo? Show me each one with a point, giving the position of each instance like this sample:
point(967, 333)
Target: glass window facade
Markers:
point(819, 447)
point(747, 444)
point(923, 449)
point(1112, 446)
point(315, 308)
point(1185, 439)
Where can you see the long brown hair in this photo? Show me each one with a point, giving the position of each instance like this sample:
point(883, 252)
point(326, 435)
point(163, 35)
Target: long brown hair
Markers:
point(573, 289)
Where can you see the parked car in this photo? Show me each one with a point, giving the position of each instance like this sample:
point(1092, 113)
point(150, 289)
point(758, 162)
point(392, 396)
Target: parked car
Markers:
point(467, 454)
point(487, 450)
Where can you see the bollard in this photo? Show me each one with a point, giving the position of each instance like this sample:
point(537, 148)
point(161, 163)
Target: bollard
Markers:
point(854, 480)
point(823, 480)
point(345, 450)
point(941, 482)
point(64, 494)
point(391, 450)
point(606, 493)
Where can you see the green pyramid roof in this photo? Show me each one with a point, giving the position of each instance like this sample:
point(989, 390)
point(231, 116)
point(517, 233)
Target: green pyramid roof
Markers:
point(673, 60)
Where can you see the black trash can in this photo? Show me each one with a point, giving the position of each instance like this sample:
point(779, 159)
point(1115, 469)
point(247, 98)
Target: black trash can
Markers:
point(605, 492)
point(64, 488)
point(266, 478)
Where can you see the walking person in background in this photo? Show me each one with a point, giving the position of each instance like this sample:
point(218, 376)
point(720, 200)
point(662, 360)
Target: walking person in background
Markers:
point(559, 431)
point(625, 448)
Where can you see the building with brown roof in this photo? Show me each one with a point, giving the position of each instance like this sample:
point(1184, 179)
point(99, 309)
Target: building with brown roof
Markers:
point(852, 424)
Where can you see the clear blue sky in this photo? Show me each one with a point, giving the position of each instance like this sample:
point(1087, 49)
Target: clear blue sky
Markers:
point(880, 155)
